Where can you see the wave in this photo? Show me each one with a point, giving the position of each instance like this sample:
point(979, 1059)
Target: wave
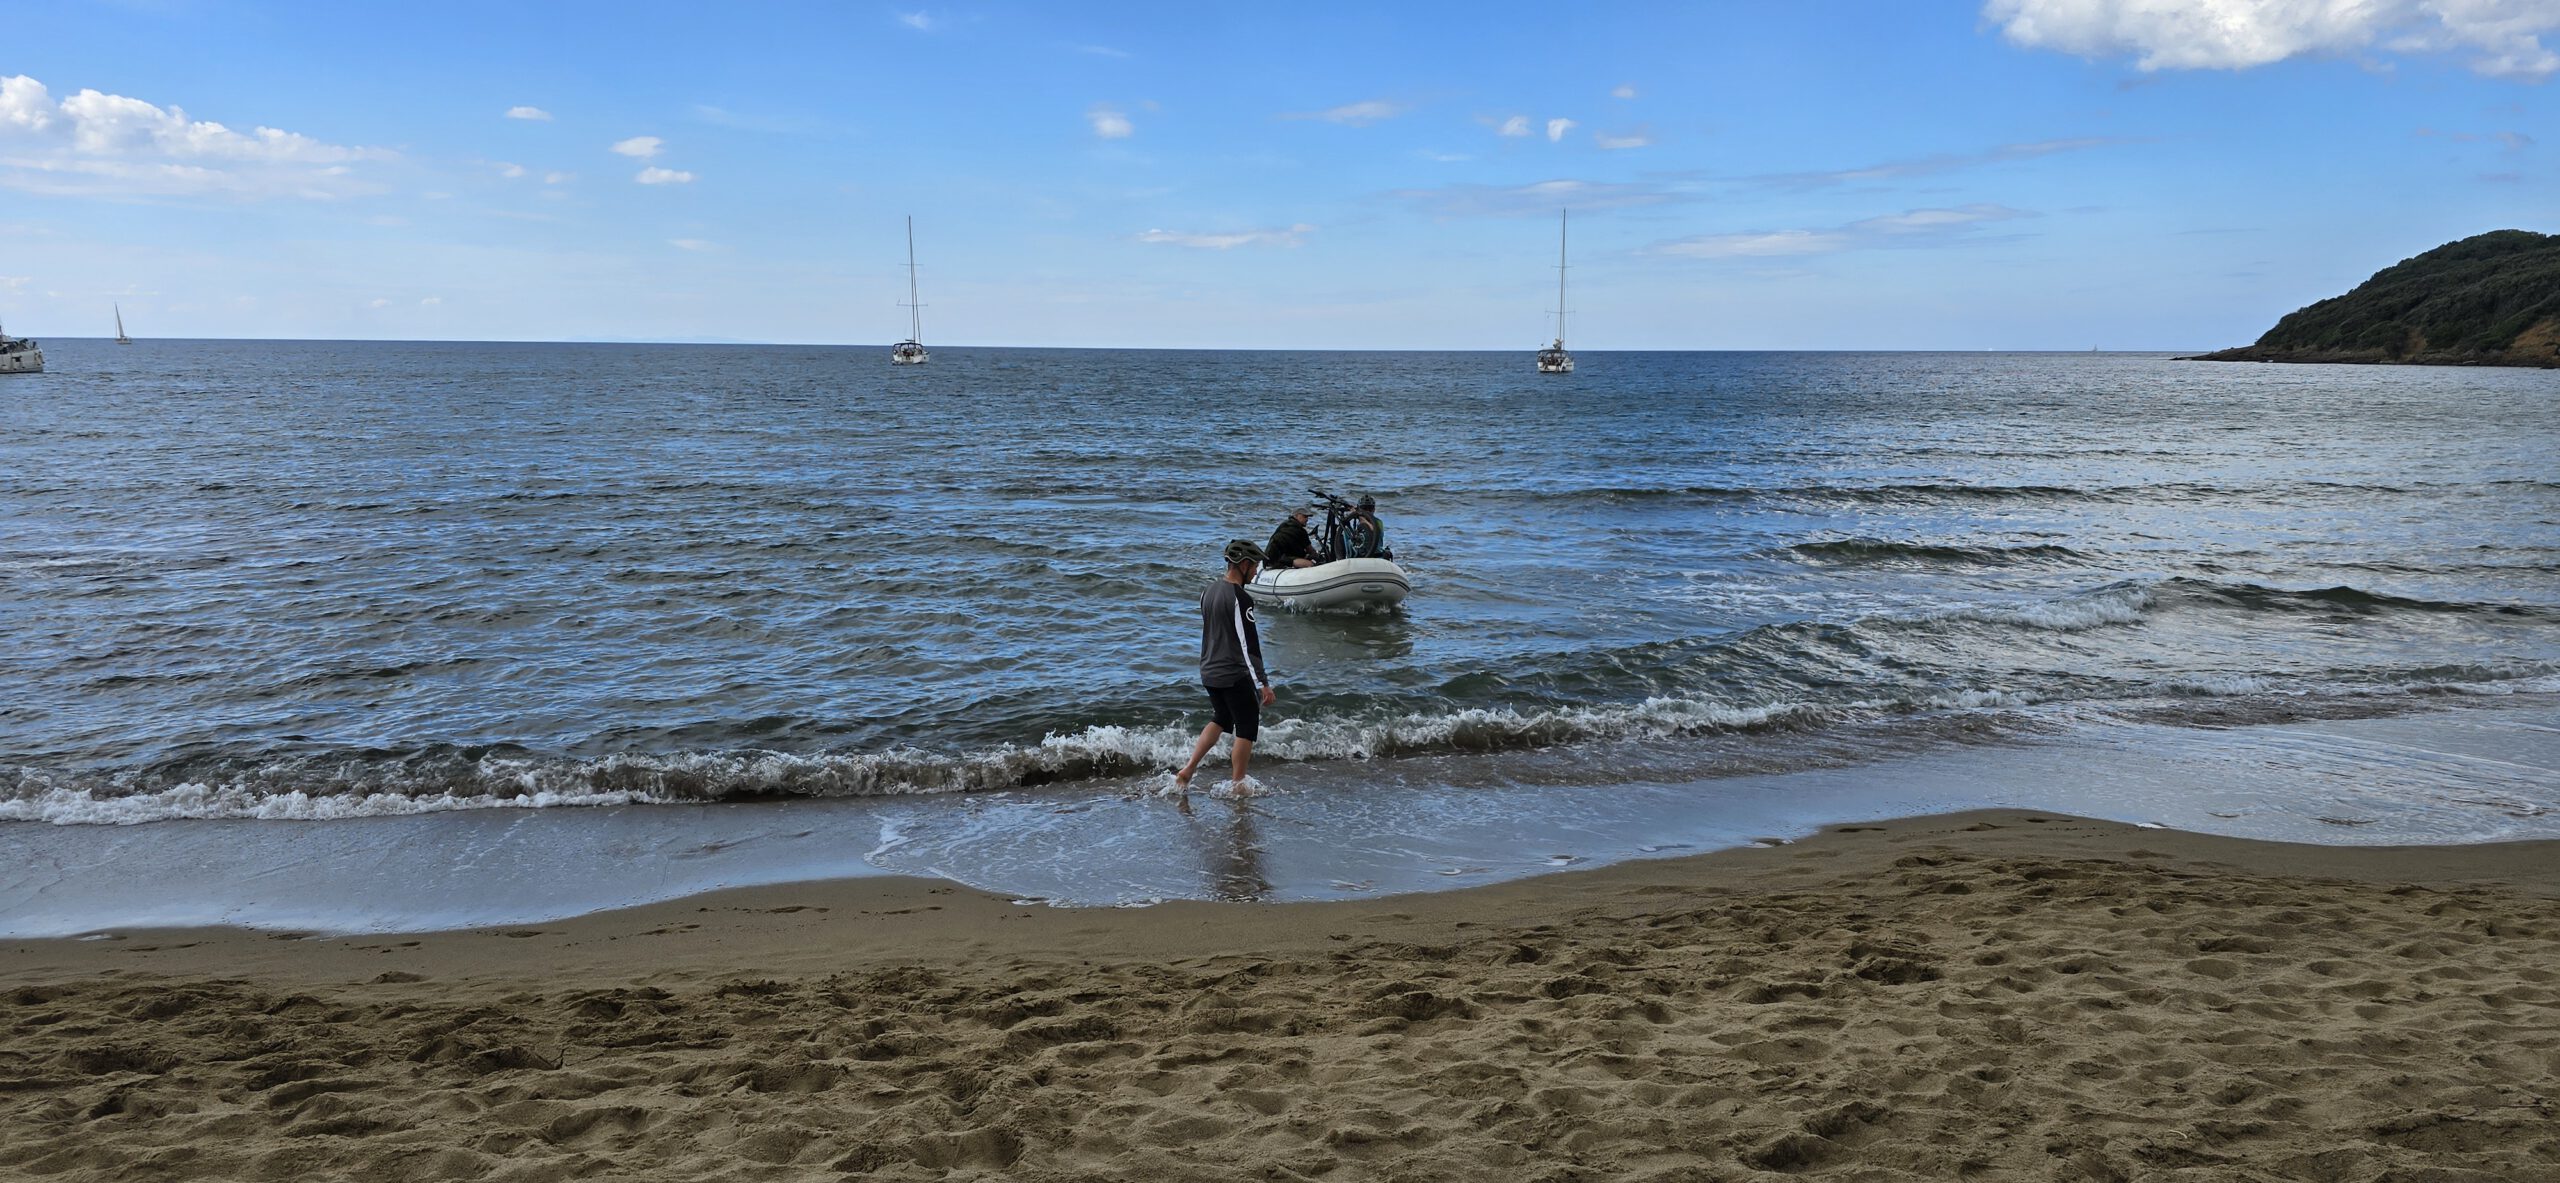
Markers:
point(324, 788)
point(1872, 494)
point(2344, 598)
point(329, 787)
point(2114, 604)
point(1928, 493)
point(2130, 601)
point(1800, 676)
point(1884, 552)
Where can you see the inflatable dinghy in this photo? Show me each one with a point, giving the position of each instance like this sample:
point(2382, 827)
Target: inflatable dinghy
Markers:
point(1342, 583)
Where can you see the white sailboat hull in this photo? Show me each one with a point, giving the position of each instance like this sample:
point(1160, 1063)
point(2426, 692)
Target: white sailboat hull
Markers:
point(21, 357)
point(1561, 364)
point(1342, 583)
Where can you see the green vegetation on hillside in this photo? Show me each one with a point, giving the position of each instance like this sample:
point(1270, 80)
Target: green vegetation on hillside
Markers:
point(2492, 299)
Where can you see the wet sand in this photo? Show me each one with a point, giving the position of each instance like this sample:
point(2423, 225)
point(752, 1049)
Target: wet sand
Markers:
point(1996, 995)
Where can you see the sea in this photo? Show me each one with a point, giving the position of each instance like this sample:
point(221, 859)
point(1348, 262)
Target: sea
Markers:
point(366, 636)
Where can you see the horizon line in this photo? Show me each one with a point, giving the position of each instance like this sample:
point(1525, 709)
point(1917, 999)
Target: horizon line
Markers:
point(734, 342)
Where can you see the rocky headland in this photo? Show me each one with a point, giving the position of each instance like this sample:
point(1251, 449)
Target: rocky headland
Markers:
point(2489, 300)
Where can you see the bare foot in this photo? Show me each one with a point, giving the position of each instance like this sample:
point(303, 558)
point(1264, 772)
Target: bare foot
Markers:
point(1182, 782)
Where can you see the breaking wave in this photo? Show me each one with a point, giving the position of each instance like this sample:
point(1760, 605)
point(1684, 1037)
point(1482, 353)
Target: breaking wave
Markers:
point(1797, 677)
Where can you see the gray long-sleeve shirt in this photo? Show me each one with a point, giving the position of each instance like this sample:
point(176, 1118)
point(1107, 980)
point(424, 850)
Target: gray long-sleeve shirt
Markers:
point(1228, 638)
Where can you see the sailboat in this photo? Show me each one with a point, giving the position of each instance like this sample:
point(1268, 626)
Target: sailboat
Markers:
point(1553, 359)
point(121, 339)
point(19, 355)
point(910, 352)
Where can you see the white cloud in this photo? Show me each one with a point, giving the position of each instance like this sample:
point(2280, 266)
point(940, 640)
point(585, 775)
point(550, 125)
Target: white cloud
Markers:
point(921, 22)
point(1517, 125)
point(16, 282)
point(639, 147)
point(689, 244)
point(1759, 245)
point(96, 144)
point(1893, 170)
point(2512, 141)
point(430, 301)
point(1360, 114)
point(1556, 129)
point(379, 302)
point(557, 178)
point(1224, 242)
point(510, 171)
point(534, 113)
point(1541, 199)
point(1102, 51)
point(1918, 227)
point(1445, 157)
point(653, 175)
point(1109, 123)
point(24, 104)
point(113, 125)
point(2503, 38)
point(1624, 91)
point(1927, 221)
point(1633, 139)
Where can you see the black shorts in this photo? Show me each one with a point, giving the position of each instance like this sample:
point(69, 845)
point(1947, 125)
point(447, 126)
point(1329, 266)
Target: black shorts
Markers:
point(1238, 710)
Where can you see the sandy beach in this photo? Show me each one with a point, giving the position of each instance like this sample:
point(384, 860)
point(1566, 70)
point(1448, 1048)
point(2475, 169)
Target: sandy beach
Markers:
point(1989, 995)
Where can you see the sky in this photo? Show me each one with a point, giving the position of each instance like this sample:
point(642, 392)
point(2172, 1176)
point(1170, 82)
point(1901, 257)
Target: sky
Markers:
point(1831, 174)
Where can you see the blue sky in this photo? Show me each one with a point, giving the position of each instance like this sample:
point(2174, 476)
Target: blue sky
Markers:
point(2036, 174)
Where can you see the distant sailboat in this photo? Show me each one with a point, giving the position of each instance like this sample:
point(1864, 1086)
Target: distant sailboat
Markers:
point(1553, 359)
point(121, 339)
point(19, 355)
point(910, 352)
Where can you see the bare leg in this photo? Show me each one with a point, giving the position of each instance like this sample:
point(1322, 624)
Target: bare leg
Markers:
point(1199, 751)
point(1243, 752)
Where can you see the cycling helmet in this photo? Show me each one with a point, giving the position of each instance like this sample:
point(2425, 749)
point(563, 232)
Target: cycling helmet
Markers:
point(1243, 551)
point(1367, 502)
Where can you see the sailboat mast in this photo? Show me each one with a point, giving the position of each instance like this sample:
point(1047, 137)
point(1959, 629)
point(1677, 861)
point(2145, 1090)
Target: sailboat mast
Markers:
point(1562, 217)
point(119, 322)
point(915, 311)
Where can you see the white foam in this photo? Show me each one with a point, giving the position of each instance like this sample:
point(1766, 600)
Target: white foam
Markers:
point(2224, 685)
point(79, 807)
point(300, 790)
point(1970, 700)
point(2122, 604)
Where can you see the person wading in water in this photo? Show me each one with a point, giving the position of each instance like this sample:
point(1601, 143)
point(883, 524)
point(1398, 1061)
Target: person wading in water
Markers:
point(1231, 665)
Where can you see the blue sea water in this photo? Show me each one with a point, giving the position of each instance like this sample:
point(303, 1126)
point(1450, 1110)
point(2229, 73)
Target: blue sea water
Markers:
point(307, 580)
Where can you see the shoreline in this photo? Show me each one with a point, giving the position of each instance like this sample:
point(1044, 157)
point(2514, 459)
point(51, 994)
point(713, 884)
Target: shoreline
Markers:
point(1346, 831)
point(1208, 928)
point(2018, 992)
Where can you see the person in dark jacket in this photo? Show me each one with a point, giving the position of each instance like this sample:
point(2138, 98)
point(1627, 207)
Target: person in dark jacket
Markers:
point(1367, 536)
point(1231, 665)
point(1289, 545)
